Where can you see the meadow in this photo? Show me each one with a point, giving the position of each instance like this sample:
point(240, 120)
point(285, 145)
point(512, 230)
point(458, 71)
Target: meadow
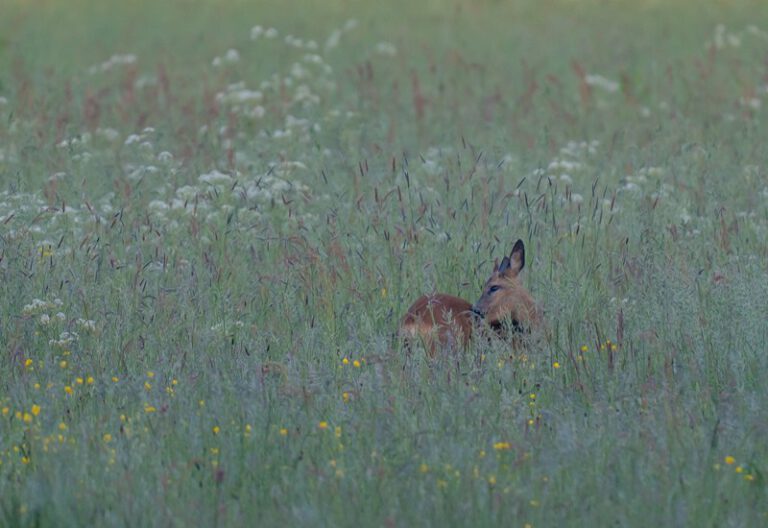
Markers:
point(214, 214)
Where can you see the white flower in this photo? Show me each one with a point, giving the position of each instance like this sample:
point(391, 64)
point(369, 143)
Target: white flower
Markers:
point(271, 33)
point(256, 32)
point(215, 178)
point(386, 48)
point(601, 82)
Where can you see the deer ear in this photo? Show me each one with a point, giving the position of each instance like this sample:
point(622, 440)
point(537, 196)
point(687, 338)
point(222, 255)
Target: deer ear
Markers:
point(504, 266)
point(516, 259)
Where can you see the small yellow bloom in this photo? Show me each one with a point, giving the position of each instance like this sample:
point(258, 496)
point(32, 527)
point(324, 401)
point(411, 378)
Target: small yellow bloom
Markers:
point(337, 431)
point(201, 403)
point(345, 361)
point(556, 365)
point(27, 418)
point(584, 348)
point(28, 363)
point(383, 293)
point(6, 410)
point(356, 363)
point(36, 386)
point(68, 390)
point(216, 429)
point(492, 480)
point(115, 379)
point(79, 381)
point(729, 460)
point(89, 380)
point(63, 363)
point(62, 426)
point(174, 382)
point(749, 478)
point(149, 409)
point(214, 450)
point(345, 397)
point(150, 374)
point(35, 410)
point(147, 385)
point(442, 484)
point(530, 421)
point(482, 453)
point(532, 396)
point(322, 425)
point(283, 431)
point(534, 503)
point(25, 460)
point(107, 438)
point(739, 469)
point(502, 446)
point(248, 429)
point(423, 468)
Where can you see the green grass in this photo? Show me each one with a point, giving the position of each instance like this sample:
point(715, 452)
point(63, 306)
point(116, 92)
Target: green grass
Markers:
point(219, 253)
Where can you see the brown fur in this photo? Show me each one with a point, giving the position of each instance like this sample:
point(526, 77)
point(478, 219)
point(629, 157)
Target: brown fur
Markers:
point(443, 321)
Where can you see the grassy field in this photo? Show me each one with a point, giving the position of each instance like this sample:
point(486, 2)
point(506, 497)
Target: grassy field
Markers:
point(213, 215)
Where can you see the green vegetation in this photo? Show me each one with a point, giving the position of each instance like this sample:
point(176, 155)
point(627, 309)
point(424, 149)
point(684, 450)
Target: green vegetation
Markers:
point(213, 215)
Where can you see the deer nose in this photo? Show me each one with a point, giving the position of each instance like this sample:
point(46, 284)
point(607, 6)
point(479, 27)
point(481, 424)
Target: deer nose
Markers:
point(477, 312)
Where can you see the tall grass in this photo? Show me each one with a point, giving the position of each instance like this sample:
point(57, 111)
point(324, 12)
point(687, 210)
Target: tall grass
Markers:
point(208, 236)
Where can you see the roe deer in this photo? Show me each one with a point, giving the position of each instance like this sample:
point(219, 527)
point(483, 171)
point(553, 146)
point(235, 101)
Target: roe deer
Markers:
point(444, 321)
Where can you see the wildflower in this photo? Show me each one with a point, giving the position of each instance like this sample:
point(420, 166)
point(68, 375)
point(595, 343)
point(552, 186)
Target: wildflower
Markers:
point(68, 390)
point(584, 348)
point(739, 469)
point(283, 431)
point(62, 426)
point(534, 503)
point(556, 365)
point(345, 361)
point(383, 293)
point(107, 438)
point(216, 429)
point(201, 403)
point(248, 429)
point(423, 468)
point(356, 363)
point(730, 460)
point(79, 381)
point(530, 421)
point(337, 431)
point(6, 410)
point(27, 418)
point(174, 382)
point(147, 385)
point(532, 396)
point(25, 460)
point(150, 374)
point(36, 386)
point(149, 409)
point(492, 480)
point(63, 363)
point(749, 478)
point(35, 410)
point(28, 363)
point(502, 446)
point(115, 379)
point(345, 397)
point(89, 380)
point(481, 454)
point(322, 425)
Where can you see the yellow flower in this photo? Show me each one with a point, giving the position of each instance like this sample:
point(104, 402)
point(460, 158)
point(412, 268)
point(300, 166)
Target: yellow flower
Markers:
point(201, 403)
point(423, 468)
point(174, 382)
point(534, 503)
point(729, 460)
point(502, 446)
point(322, 425)
point(530, 421)
point(62, 426)
point(345, 361)
point(150, 374)
point(63, 363)
point(482, 453)
point(6, 410)
point(345, 397)
point(556, 365)
point(25, 460)
point(115, 379)
point(283, 431)
point(584, 348)
point(147, 385)
point(89, 380)
point(356, 363)
point(35, 410)
point(532, 396)
point(28, 363)
point(383, 293)
point(216, 429)
point(37, 386)
point(107, 437)
point(27, 418)
point(749, 478)
point(492, 480)
point(337, 431)
point(739, 469)
point(248, 429)
point(149, 409)
point(68, 390)
point(79, 381)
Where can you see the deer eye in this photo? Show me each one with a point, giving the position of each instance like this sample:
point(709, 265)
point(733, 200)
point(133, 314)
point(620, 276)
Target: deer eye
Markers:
point(494, 288)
